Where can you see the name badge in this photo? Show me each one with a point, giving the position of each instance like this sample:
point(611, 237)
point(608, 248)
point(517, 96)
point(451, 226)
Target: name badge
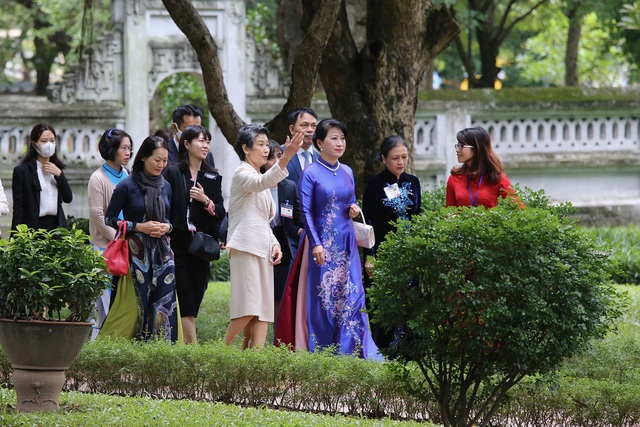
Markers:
point(392, 191)
point(286, 210)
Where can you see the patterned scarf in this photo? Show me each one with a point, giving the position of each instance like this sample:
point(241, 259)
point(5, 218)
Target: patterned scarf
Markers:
point(151, 187)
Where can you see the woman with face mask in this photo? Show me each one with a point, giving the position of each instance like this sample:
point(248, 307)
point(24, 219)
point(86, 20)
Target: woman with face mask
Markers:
point(39, 184)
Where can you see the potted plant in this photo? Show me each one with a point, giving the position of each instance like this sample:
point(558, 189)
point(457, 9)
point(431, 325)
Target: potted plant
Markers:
point(49, 281)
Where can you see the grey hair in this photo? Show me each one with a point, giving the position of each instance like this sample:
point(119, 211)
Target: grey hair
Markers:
point(247, 135)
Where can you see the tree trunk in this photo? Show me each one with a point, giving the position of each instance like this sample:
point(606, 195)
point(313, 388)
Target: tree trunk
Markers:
point(288, 31)
point(383, 78)
point(493, 25)
point(573, 44)
point(374, 90)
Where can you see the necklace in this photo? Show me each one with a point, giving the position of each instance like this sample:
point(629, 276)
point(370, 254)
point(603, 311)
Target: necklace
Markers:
point(329, 168)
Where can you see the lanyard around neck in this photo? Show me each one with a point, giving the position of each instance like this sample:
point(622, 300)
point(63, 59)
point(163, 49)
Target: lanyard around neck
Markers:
point(474, 199)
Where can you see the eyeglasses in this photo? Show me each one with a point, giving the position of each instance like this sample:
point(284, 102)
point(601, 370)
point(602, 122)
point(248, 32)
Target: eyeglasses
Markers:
point(459, 146)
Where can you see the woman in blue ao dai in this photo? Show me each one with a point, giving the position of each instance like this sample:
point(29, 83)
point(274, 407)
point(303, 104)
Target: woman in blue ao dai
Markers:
point(324, 296)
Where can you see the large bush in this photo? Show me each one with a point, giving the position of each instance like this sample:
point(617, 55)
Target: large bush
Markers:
point(484, 298)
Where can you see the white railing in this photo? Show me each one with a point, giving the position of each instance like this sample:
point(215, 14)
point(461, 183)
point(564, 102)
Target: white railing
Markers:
point(563, 134)
point(75, 144)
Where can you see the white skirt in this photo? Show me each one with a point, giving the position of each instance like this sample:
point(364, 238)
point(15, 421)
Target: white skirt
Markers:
point(251, 286)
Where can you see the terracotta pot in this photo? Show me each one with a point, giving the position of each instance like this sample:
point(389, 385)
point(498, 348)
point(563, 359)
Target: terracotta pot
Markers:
point(39, 352)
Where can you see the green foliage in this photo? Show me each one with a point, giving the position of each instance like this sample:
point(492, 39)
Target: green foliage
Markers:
point(50, 271)
point(220, 268)
point(600, 63)
point(474, 289)
point(58, 20)
point(630, 16)
point(176, 90)
point(79, 223)
point(624, 244)
point(261, 24)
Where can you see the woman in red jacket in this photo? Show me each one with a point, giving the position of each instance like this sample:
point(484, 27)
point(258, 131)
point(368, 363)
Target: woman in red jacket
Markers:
point(480, 179)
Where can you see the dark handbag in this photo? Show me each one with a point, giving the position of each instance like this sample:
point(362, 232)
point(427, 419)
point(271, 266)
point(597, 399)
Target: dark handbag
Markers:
point(116, 254)
point(204, 246)
point(201, 245)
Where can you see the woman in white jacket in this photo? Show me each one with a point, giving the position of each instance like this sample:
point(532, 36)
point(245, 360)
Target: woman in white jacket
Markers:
point(253, 249)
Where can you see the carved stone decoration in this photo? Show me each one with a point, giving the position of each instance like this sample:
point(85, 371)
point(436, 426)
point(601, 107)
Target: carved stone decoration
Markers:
point(266, 77)
point(169, 57)
point(235, 12)
point(98, 77)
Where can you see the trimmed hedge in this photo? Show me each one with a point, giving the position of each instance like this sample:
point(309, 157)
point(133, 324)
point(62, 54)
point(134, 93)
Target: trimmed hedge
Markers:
point(275, 377)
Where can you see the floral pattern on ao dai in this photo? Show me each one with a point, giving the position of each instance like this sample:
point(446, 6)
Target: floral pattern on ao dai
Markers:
point(333, 293)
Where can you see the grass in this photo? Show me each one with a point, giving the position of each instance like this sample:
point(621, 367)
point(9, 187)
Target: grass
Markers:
point(81, 409)
point(212, 320)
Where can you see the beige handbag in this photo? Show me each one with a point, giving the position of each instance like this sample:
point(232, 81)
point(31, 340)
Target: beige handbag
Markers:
point(365, 237)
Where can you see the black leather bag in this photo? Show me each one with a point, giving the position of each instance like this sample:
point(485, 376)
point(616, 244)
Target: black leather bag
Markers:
point(204, 247)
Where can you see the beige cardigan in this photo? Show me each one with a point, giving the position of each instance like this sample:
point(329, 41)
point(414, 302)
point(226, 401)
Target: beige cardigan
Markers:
point(99, 191)
point(251, 209)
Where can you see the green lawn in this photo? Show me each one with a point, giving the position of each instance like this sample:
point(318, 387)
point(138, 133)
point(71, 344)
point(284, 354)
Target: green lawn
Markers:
point(80, 410)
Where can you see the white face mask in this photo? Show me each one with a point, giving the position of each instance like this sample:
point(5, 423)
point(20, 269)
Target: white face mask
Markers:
point(47, 149)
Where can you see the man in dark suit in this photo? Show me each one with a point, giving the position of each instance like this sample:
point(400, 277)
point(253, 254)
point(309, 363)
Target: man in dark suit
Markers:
point(302, 120)
point(183, 116)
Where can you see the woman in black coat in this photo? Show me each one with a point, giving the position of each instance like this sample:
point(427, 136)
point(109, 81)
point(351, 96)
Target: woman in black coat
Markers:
point(39, 185)
point(196, 205)
point(391, 195)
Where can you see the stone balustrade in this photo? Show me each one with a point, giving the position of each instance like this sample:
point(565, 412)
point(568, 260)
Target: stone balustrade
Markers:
point(587, 154)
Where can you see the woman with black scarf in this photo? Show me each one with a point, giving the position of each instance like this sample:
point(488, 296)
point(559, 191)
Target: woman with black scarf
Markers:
point(143, 198)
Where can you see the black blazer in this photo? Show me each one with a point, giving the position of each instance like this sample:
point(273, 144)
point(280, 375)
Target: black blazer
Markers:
point(287, 234)
point(26, 195)
point(211, 183)
point(174, 159)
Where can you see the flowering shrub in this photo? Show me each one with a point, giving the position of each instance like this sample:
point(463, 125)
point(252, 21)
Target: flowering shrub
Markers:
point(484, 298)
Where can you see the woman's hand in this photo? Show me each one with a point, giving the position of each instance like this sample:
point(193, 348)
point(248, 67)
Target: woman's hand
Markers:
point(354, 210)
point(197, 193)
point(291, 147)
point(368, 268)
point(276, 255)
point(318, 254)
point(154, 229)
point(51, 169)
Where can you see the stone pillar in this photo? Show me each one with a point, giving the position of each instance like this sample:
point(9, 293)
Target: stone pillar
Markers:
point(136, 72)
point(233, 58)
point(449, 123)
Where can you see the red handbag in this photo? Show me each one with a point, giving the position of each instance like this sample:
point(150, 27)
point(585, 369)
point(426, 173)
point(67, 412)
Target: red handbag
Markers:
point(116, 253)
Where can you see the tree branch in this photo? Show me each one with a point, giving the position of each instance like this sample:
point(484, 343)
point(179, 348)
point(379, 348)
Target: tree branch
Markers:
point(506, 32)
point(305, 63)
point(187, 18)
